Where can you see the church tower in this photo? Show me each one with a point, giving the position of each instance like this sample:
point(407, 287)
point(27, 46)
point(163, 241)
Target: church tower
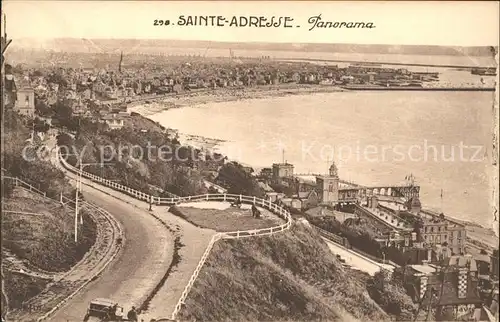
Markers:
point(333, 171)
point(328, 186)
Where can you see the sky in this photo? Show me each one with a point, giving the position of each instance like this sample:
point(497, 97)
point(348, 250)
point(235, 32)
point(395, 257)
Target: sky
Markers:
point(399, 23)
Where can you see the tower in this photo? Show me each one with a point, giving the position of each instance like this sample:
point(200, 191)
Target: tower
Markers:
point(333, 171)
point(328, 186)
point(120, 64)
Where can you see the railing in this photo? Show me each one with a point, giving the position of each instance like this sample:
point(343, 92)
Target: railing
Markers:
point(393, 222)
point(340, 240)
point(267, 204)
point(20, 183)
point(330, 236)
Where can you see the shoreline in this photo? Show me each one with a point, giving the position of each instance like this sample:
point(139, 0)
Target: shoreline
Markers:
point(200, 97)
point(195, 98)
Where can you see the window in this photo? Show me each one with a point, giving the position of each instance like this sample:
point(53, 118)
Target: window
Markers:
point(439, 229)
point(27, 100)
point(445, 237)
point(432, 229)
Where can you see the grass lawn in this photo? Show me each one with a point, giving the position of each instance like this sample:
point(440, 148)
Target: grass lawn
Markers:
point(229, 219)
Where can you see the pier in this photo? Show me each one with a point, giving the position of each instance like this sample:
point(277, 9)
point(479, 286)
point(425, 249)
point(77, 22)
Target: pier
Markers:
point(416, 88)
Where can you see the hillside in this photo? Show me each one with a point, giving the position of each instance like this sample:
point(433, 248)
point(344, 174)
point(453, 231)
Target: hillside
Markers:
point(290, 276)
point(37, 238)
point(37, 233)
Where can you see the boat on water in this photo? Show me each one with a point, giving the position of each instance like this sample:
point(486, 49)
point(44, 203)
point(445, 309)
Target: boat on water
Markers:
point(490, 71)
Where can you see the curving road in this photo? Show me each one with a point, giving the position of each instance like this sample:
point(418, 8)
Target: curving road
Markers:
point(139, 267)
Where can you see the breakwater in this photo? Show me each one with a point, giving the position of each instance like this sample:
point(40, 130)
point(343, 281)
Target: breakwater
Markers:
point(416, 88)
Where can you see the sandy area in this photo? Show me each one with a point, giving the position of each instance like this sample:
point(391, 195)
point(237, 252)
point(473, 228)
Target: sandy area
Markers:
point(166, 102)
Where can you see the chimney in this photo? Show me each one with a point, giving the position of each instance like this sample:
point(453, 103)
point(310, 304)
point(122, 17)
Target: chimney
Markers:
point(423, 286)
point(462, 283)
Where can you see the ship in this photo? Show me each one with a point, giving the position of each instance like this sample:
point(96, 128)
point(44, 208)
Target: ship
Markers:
point(489, 71)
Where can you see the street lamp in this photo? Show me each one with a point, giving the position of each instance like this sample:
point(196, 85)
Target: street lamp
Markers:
point(78, 189)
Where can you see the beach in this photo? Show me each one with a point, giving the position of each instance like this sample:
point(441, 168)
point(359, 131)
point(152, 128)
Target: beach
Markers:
point(154, 105)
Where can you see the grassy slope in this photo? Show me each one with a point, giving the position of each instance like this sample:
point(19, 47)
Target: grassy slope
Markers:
point(45, 241)
point(289, 276)
point(20, 287)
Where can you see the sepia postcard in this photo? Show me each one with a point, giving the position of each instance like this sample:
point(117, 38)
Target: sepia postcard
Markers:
point(249, 161)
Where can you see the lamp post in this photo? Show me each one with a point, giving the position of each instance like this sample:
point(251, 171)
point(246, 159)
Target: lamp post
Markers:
point(78, 190)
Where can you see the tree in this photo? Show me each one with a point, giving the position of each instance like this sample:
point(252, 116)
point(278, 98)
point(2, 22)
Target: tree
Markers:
point(37, 73)
point(390, 296)
point(42, 108)
point(39, 125)
point(238, 180)
point(63, 113)
point(58, 78)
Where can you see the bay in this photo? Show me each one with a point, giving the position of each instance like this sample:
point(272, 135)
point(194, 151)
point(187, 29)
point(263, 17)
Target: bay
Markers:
point(442, 138)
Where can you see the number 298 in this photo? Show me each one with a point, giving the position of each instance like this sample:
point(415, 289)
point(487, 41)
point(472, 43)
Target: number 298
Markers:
point(158, 22)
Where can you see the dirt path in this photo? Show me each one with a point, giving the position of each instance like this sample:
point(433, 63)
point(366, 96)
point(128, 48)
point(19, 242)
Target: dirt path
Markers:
point(194, 241)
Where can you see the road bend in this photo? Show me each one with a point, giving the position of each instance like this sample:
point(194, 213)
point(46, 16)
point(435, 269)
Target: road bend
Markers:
point(143, 261)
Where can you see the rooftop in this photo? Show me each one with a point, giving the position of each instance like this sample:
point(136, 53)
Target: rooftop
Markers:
point(425, 269)
point(113, 116)
point(103, 301)
point(461, 261)
point(283, 164)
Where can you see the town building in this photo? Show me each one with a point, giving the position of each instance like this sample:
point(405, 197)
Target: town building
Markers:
point(25, 103)
point(457, 238)
point(327, 187)
point(444, 237)
point(282, 171)
point(494, 264)
point(453, 289)
point(114, 121)
point(274, 196)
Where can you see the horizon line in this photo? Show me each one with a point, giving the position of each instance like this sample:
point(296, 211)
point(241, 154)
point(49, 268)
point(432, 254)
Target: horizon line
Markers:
point(258, 42)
